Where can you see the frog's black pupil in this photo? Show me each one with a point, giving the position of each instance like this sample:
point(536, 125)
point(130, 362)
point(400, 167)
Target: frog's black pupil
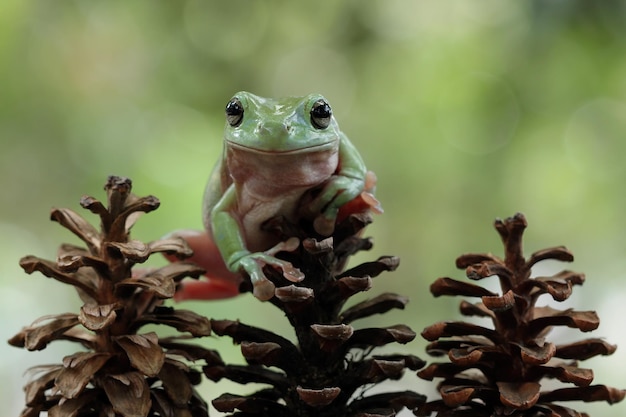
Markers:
point(321, 114)
point(234, 112)
point(233, 108)
point(321, 111)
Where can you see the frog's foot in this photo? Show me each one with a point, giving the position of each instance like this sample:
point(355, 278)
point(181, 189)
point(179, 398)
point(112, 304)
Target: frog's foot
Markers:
point(324, 207)
point(211, 289)
point(253, 264)
point(363, 203)
point(325, 222)
point(219, 282)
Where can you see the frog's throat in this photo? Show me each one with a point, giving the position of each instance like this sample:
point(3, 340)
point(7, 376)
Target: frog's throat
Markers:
point(305, 149)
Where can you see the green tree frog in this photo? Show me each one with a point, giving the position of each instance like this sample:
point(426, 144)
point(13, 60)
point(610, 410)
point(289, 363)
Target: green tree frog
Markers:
point(275, 151)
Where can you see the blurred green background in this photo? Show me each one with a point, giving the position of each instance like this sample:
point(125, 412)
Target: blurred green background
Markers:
point(467, 111)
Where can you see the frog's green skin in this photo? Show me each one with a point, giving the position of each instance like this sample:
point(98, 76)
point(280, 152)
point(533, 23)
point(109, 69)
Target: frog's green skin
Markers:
point(273, 154)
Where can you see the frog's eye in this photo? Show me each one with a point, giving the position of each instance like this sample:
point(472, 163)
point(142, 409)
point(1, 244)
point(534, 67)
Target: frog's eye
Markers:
point(321, 114)
point(234, 112)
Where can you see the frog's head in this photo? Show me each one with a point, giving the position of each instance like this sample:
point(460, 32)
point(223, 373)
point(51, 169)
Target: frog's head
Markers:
point(287, 125)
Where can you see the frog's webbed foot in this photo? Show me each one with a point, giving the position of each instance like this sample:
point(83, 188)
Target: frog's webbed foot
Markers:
point(324, 208)
point(340, 197)
point(219, 282)
point(253, 264)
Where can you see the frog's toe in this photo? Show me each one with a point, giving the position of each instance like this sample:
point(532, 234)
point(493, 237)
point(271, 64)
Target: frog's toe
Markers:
point(289, 271)
point(211, 289)
point(263, 289)
point(288, 245)
point(372, 202)
point(292, 273)
point(324, 224)
point(370, 181)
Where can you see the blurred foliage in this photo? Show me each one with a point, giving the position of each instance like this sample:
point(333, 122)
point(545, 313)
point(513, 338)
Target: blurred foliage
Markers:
point(466, 111)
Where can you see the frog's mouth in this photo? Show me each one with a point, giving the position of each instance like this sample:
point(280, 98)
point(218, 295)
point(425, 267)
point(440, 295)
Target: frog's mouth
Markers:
point(323, 147)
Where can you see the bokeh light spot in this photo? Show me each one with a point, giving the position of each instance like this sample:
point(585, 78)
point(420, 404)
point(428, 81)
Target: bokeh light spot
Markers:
point(204, 24)
point(595, 139)
point(477, 113)
point(400, 20)
point(316, 70)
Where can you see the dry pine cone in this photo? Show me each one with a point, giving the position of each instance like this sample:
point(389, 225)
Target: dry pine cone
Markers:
point(122, 372)
point(500, 370)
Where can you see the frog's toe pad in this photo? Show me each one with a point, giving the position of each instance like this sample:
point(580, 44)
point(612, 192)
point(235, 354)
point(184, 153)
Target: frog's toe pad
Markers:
point(372, 202)
point(324, 225)
point(263, 289)
point(288, 245)
point(292, 273)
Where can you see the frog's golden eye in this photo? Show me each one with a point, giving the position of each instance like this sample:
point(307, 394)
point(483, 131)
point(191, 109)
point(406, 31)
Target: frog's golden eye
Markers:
point(321, 114)
point(234, 112)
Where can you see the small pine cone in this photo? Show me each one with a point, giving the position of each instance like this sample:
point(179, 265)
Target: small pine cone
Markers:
point(326, 372)
point(122, 372)
point(499, 371)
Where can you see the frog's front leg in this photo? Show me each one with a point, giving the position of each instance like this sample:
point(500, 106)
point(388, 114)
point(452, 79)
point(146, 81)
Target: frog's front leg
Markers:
point(229, 239)
point(349, 182)
point(338, 191)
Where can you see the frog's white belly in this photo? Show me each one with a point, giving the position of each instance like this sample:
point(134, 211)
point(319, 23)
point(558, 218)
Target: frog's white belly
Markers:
point(272, 184)
point(257, 210)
